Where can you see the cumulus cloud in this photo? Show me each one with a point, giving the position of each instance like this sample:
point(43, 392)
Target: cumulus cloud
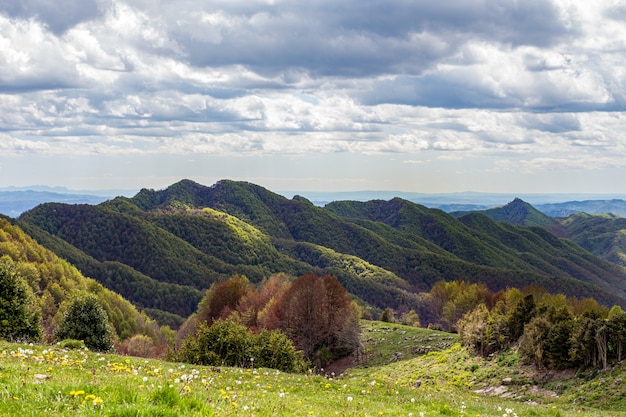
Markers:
point(469, 77)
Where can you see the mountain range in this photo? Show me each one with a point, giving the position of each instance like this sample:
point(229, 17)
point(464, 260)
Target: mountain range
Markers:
point(161, 249)
point(16, 200)
point(603, 235)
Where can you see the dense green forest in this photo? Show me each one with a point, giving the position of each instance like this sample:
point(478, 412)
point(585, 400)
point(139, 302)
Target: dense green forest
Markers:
point(162, 249)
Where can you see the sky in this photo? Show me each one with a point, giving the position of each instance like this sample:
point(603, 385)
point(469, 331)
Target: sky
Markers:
point(329, 95)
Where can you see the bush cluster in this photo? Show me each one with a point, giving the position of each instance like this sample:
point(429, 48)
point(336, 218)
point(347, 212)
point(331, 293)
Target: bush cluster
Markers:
point(228, 343)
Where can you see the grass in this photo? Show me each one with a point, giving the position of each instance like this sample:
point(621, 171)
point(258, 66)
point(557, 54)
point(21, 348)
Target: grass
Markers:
point(50, 380)
point(389, 342)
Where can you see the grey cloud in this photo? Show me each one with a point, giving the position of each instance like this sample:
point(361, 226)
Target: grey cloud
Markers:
point(617, 12)
point(553, 123)
point(351, 38)
point(437, 90)
point(57, 15)
point(534, 22)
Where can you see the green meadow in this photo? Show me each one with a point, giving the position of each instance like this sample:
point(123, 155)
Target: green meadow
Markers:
point(425, 374)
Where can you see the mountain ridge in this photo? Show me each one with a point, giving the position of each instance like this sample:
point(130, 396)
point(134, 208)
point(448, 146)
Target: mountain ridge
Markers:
point(384, 252)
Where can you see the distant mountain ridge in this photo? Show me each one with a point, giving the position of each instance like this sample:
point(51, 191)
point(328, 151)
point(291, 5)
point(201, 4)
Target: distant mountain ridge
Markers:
point(14, 203)
point(604, 235)
point(16, 200)
point(162, 248)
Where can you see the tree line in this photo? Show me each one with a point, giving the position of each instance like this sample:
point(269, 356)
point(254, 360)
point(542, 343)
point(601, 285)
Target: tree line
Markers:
point(550, 331)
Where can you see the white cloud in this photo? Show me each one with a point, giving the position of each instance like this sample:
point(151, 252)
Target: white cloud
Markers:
point(532, 83)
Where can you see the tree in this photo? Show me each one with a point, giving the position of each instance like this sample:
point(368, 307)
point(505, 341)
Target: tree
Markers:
point(387, 316)
point(273, 349)
point(318, 316)
point(584, 346)
point(616, 323)
point(18, 317)
point(519, 316)
point(85, 319)
point(558, 344)
point(229, 343)
point(473, 329)
point(303, 314)
point(411, 318)
point(532, 342)
point(224, 298)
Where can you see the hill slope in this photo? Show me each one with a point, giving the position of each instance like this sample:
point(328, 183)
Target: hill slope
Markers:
point(53, 280)
point(603, 235)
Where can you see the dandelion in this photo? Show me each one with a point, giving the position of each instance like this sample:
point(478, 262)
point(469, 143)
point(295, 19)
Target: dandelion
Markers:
point(97, 401)
point(349, 399)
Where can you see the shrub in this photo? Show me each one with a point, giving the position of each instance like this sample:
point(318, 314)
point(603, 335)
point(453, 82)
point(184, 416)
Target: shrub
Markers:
point(229, 343)
point(85, 319)
point(139, 345)
point(224, 343)
point(72, 344)
point(273, 349)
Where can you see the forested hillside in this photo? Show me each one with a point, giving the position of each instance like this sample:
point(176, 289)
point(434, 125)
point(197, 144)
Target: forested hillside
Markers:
point(52, 280)
point(161, 247)
point(603, 235)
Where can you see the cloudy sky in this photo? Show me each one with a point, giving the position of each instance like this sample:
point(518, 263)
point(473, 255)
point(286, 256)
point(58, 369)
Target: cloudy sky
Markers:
point(410, 95)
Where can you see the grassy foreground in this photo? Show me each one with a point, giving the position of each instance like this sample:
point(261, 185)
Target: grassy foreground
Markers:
point(48, 380)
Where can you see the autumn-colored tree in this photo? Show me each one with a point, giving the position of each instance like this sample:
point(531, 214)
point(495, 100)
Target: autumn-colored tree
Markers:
point(269, 300)
point(223, 299)
point(303, 314)
point(318, 316)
